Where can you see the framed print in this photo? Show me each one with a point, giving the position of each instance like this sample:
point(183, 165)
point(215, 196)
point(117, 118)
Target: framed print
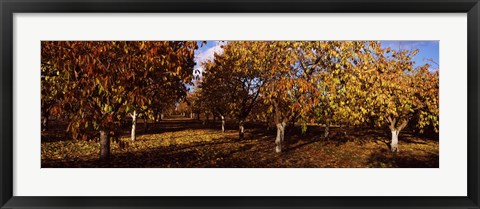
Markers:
point(236, 104)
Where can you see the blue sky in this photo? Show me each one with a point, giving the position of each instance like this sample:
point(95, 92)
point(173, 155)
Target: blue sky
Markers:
point(427, 50)
point(206, 52)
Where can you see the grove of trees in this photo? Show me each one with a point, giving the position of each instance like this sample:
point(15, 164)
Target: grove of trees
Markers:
point(99, 86)
point(352, 83)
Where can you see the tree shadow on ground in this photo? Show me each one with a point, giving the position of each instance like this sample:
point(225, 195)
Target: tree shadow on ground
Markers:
point(292, 147)
point(295, 139)
point(365, 135)
point(410, 139)
point(257, 149)
point(385, 158)
point(197, 155)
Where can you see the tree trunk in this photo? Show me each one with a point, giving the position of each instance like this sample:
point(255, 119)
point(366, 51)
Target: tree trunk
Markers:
point(145, 124)
point(394, 142)
point(134, 124)
point(267, 124)
point(162, 116)
point(280, 136)
point(45, 122)
point(327, 131)
point(396, 125)
point(223, 123)
point(241, 129)
point(104, 146)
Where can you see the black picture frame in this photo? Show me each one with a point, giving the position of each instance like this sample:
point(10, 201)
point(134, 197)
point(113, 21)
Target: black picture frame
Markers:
point(9, 7)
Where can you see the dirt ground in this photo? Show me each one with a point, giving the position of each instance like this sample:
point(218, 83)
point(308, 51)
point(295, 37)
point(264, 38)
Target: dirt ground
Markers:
point(185, 143)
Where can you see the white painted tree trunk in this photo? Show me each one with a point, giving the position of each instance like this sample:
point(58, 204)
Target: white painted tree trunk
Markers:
point(145, 124)
point(45, 123)
point(241, 129)
point(104, 146)
point(396, 125)
point(394, 142)
point(327, 131)
point(223, 123)
point(134, 124)
point(280, 136)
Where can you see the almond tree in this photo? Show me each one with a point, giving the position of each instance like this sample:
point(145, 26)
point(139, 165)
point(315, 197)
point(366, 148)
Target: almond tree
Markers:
point(238, 74)
point(383, 87)
point(323, 65)
point(183, 108)
point(51, 93)
point(285, 86)
point(215, 88)
point(158, 80)
point(426, 85)
point(93, 90)
point(100, 80)
point(194, 103)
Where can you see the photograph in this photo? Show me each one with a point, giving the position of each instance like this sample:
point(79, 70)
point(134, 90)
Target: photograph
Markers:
point(240, 104)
